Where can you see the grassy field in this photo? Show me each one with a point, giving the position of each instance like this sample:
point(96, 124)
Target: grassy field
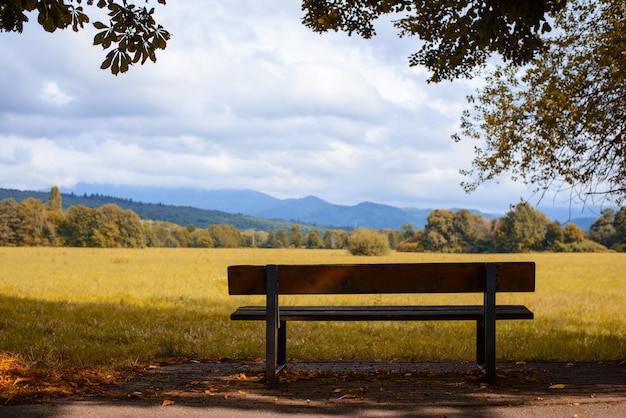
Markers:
point(85, 308)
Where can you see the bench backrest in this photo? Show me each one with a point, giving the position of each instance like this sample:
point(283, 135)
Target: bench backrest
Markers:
point(381, 278)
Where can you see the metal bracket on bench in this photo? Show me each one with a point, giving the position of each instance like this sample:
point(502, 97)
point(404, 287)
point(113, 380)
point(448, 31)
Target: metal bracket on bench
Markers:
point(486, 329)
point(276, 330)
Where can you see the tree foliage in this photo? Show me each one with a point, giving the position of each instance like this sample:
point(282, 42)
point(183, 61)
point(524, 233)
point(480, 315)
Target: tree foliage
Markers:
point(367, 242)
point(457, 35)
point(131, 35)
point(559, 124)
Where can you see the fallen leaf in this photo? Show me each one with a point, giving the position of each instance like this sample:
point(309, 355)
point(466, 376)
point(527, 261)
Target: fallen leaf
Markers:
point(208, 392)
point(558, 386)
point(539, 398)
point(167, 402)
point(136, 395)
point(21, 379)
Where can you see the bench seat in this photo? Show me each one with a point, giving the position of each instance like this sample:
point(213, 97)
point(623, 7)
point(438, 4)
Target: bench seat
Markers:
point(382, 313)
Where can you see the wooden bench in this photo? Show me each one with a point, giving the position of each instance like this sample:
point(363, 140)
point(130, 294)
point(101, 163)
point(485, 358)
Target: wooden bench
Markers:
point(486, 278)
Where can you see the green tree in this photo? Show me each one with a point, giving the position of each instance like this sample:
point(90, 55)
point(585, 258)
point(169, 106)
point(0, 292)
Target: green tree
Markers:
point(314, 240)
point(281, 239)
point(271, 240)
point(554, 235)
point(456, 35)
point(523, 229)
point(602, 230)
point(619, 241)
point(560, 123)
point(334, 238)
point(78, 226)
point(160, 235)
point(368, 242)
point(439, 232)
point(407, 231)
point(295, 236)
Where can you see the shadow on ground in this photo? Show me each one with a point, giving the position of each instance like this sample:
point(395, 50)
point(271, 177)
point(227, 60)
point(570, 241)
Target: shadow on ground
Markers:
point(331, 388)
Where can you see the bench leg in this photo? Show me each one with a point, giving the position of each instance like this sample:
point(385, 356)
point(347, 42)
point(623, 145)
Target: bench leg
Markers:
point(272, 325)
point(489, 323)
point(282, 344)
point(480, 343)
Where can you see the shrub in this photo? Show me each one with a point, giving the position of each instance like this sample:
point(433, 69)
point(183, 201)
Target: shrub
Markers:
point(367, 242)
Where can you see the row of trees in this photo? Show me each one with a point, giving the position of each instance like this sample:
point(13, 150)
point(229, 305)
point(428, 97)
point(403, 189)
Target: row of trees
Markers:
point(523, 229)
point(32, 222)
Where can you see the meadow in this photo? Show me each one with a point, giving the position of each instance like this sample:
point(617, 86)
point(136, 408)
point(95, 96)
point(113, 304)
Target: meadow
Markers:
point(107, 308)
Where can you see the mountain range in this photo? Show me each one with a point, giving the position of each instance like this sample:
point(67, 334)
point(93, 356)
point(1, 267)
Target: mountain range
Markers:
point(252, 209)
point(309, 209)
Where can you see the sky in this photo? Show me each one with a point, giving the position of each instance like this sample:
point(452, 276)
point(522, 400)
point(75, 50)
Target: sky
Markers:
point(244, 97)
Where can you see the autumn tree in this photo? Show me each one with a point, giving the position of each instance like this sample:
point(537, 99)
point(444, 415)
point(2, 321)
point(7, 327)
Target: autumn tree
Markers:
point(55, 200)
point(78, 226)
point(280, 239)
point(225, 236)
point(115, 227)
point(34, 227)
point(295, 236)
point(456, 36)
point(313, 240)
point(523, 229)
point(9, 222)
point(448, 231)
point(603, 229)
point(367, 242)
point(334, 238)
point(131, 34)
point(559, 124)
point(200, 238)
point(610, 229)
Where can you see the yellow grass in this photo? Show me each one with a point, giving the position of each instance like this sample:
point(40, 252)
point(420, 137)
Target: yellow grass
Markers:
point(66, 307)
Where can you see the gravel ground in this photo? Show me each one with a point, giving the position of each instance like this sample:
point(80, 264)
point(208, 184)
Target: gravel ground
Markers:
point(337, 388)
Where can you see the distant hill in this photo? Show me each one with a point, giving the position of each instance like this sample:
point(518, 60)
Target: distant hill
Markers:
point(252, 209)
point(310, 209)
point(180, 215)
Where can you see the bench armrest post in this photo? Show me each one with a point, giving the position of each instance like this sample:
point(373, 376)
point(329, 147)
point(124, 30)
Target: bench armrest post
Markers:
point(272, 324)
point(489, 318)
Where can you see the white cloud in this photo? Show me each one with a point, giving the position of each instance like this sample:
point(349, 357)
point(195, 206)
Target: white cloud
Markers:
point(244, 96)
point(51, 93)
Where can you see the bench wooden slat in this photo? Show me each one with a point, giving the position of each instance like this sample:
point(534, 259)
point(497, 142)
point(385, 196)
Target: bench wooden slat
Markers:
point(382, 313)
point(382, 278)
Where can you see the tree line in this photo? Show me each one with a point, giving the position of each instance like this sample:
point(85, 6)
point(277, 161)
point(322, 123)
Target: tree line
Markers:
point(32, 222)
